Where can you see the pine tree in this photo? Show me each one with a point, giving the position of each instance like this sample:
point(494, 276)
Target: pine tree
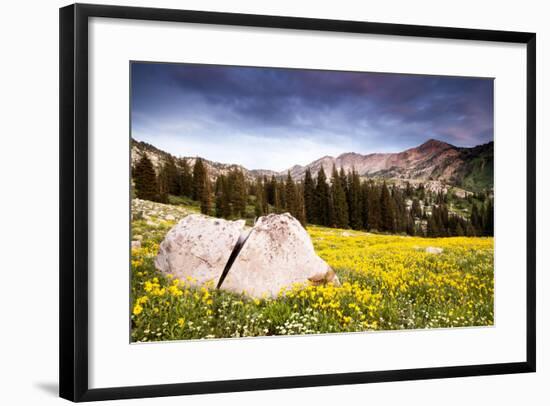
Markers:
point(354, 200)
point(172, 175)
point(265, 194)
point(300, 212)
point(459, 230)
point(470, 231)
point(186, 179)
point(375, 214)
point(400, 214)
point(339, 201)
point(206, 195)
point(199, 176)
point(432, 228)
point(344, 182)
point(322, 199)
point(410, 226)
point(488, 223)
point(386, 209)
point(365, 199)
point(270, 189)
point(408, 190)
point(309, 198)
point(218, 195)
point(223, 206)
point(145, 179)
point(281, 190)
point(416, 210)
point(475, 220)
point(239, 194)
point(290, 195)
point(259, 208)
point(163, 185)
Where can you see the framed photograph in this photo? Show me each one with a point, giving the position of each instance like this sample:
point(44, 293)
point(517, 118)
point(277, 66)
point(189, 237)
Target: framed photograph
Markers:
point(257, 202)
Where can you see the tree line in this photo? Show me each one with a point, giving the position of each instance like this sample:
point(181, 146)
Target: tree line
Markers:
point(342, 201)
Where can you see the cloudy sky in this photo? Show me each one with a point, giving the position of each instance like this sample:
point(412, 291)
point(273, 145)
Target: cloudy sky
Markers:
point(268, 118)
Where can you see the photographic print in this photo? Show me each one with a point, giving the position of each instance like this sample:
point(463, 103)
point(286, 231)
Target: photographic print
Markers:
point(276, 201)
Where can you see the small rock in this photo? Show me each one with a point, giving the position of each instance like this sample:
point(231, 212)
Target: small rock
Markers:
point(169, 217)
point(136, 244)
point(434, 250)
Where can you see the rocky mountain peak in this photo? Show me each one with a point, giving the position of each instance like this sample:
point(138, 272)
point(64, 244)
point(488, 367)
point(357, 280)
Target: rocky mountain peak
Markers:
point(433, 144)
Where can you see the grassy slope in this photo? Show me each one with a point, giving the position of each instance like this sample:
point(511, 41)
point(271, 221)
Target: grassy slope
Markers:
point(478, 173)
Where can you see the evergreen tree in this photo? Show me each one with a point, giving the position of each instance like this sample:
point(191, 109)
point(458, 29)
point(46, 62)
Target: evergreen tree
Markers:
point(238, 193)
point(172, 175)
point(344, 182)
point(432, 228)
point(408, 190)
point(365, 199)
point(355, 200)
point(416, 210)
point(186, 179)
point(290, 195)
point(375, 213)
point(410, 226)
point(218, 195)
point(470, 231)
point(309, 198)
point(300, 212)
point(145, 179)
point(400, 214)
point(488, 223)
point(163, 185)
point(339, 201)
point(199, 176)
point(386, 209)
point(475, 220)
point(270, 189)
point(259, 208)
point(459, 230)
point(223, 204)
point(281, 190)
point(322, 199)
point(206, 195)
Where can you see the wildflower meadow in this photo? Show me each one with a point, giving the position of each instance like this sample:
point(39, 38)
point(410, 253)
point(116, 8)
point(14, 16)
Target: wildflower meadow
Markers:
point(388, 282)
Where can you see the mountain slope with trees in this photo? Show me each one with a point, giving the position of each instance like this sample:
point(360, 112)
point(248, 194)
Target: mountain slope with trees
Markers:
point(344, 200)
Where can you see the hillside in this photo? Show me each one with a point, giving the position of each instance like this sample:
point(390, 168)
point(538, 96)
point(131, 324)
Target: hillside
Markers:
point(159, 157)
point(433, 162)
point(470, 168)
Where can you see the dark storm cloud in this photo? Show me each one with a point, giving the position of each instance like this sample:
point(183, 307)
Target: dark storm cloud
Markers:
point(365, 111)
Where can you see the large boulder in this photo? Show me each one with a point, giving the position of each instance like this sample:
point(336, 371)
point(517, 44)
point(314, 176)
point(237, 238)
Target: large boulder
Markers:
point(197, 248)
point(277, 254)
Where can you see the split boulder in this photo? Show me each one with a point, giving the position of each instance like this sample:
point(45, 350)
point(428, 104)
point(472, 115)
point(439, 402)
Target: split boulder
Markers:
point(277, 254)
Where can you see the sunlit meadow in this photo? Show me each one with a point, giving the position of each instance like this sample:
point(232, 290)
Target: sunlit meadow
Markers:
point(389, 282)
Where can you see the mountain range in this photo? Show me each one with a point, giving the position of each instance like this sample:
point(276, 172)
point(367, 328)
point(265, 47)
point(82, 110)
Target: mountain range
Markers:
point(468, 168)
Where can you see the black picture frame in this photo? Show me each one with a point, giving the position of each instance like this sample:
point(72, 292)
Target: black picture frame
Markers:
point(73, 254)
